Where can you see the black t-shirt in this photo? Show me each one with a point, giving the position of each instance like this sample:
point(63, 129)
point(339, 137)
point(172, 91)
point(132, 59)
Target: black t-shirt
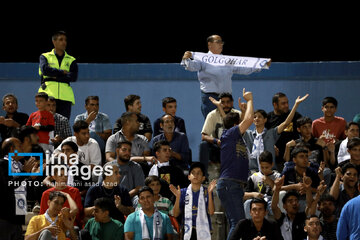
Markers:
point(145, 125)
point(246, 230)
point(6, 132)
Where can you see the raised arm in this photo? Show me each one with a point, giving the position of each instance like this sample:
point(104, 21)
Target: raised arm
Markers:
point(275, 198)
point(249, 113)
point(290, 117)
point(177, 193)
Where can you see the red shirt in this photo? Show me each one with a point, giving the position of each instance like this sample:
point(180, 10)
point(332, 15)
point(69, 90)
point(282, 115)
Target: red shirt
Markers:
point(333, 129)
point(44, 118)
point(74, 194)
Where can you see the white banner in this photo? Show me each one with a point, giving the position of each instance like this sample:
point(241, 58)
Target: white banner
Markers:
point(225, 60)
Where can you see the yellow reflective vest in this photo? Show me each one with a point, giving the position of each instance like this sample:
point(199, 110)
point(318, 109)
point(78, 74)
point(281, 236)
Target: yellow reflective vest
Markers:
point(58, 90)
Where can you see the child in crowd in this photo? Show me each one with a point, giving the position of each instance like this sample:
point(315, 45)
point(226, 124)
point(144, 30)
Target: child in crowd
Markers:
point(61, 185)
point(195, 203)
point(260, 184)
point(42, 120)
point(163, 204)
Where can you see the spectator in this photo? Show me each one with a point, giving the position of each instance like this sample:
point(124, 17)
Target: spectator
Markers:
point(110, 188)
point(102, 226)
point(261, 183)
point(57, 69)
point(42, 120)
point(281, 111)
point(148, 222)
point(257, 227)
point(169, 106)
point(262, 139)
point(12, 217)
point(133, 105)
point(62, 126)
point(313, 228)
point(56, 221)
point(328, 220)
point(61, 186)
point(180, 151)
point(214, 80)
point(330, 126)
point(343, 192)
point(99, 123)
point(212, 131)
point(13, 120)
point(349, 225)
point(88, 146)
point(234, 163)
point(341, 150)
point(195, 203)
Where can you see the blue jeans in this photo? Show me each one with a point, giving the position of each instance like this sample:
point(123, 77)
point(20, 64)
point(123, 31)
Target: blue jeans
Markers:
point(206, 105)
point(231, 195)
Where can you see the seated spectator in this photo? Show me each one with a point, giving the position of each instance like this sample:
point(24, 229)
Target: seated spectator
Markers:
point(344, 187)
point(169, 107)
point(167, 171)
point(212, 131)
point(88, 146)
point(353, 147)
point(110, 188)
point(140, 151)
point(163, 204)
point(256, 227)
point(260, 184)
point(330, 126)
point(133, 105)
point(13, 119)
point(102, 226)
point(12, 216)
point(262, 139)
point(293, 221)
point(341, 150)
point(132, 176)
point(180, 152)
point(61, 186)
point(148, 222)
point(56, 221)
point(62, 126)
point(99, 123)
point(280, 103)
point(313, 228)
point(42, 120)
point(28, 137)
point(328, 220)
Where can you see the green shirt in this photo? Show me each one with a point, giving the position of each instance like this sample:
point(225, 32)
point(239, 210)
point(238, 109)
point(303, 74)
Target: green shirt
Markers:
point(105, 231)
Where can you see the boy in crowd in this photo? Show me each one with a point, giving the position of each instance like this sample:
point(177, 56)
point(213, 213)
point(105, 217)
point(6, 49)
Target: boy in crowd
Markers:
point(313, 228)
point(102, 226)
point(343, 192)
point(148, 222)
point(196, 203)
point(260, 184)
point(42, 120)
point(56, 221)
point(61, 185)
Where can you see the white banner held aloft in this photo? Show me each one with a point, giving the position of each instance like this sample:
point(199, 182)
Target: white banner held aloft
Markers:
point(225, 60)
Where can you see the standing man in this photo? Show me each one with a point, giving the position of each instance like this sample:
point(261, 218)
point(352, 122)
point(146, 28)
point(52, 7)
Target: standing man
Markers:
point(234, 163)
point(213, 79)
point(57, 69)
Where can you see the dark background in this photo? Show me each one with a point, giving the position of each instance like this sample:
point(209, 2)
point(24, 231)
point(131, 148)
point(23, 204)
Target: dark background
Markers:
point(161, 34)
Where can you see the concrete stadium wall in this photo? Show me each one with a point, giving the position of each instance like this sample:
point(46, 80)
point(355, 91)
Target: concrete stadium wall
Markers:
point(112, 82)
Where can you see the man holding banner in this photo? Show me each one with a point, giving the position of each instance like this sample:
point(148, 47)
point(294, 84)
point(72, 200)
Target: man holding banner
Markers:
point(215, 70)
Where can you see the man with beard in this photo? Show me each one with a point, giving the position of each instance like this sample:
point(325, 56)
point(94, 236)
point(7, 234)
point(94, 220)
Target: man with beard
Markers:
point(281, 111)
point(212, 131)
point(328, 219)
point(132, 176)
point(180, 152)
point(13, 119)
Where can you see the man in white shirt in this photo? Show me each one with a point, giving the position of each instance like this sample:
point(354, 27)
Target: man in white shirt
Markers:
point(88, 146)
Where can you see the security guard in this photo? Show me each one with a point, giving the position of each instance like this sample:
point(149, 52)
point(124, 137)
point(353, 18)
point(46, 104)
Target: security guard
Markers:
point(57, 69)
